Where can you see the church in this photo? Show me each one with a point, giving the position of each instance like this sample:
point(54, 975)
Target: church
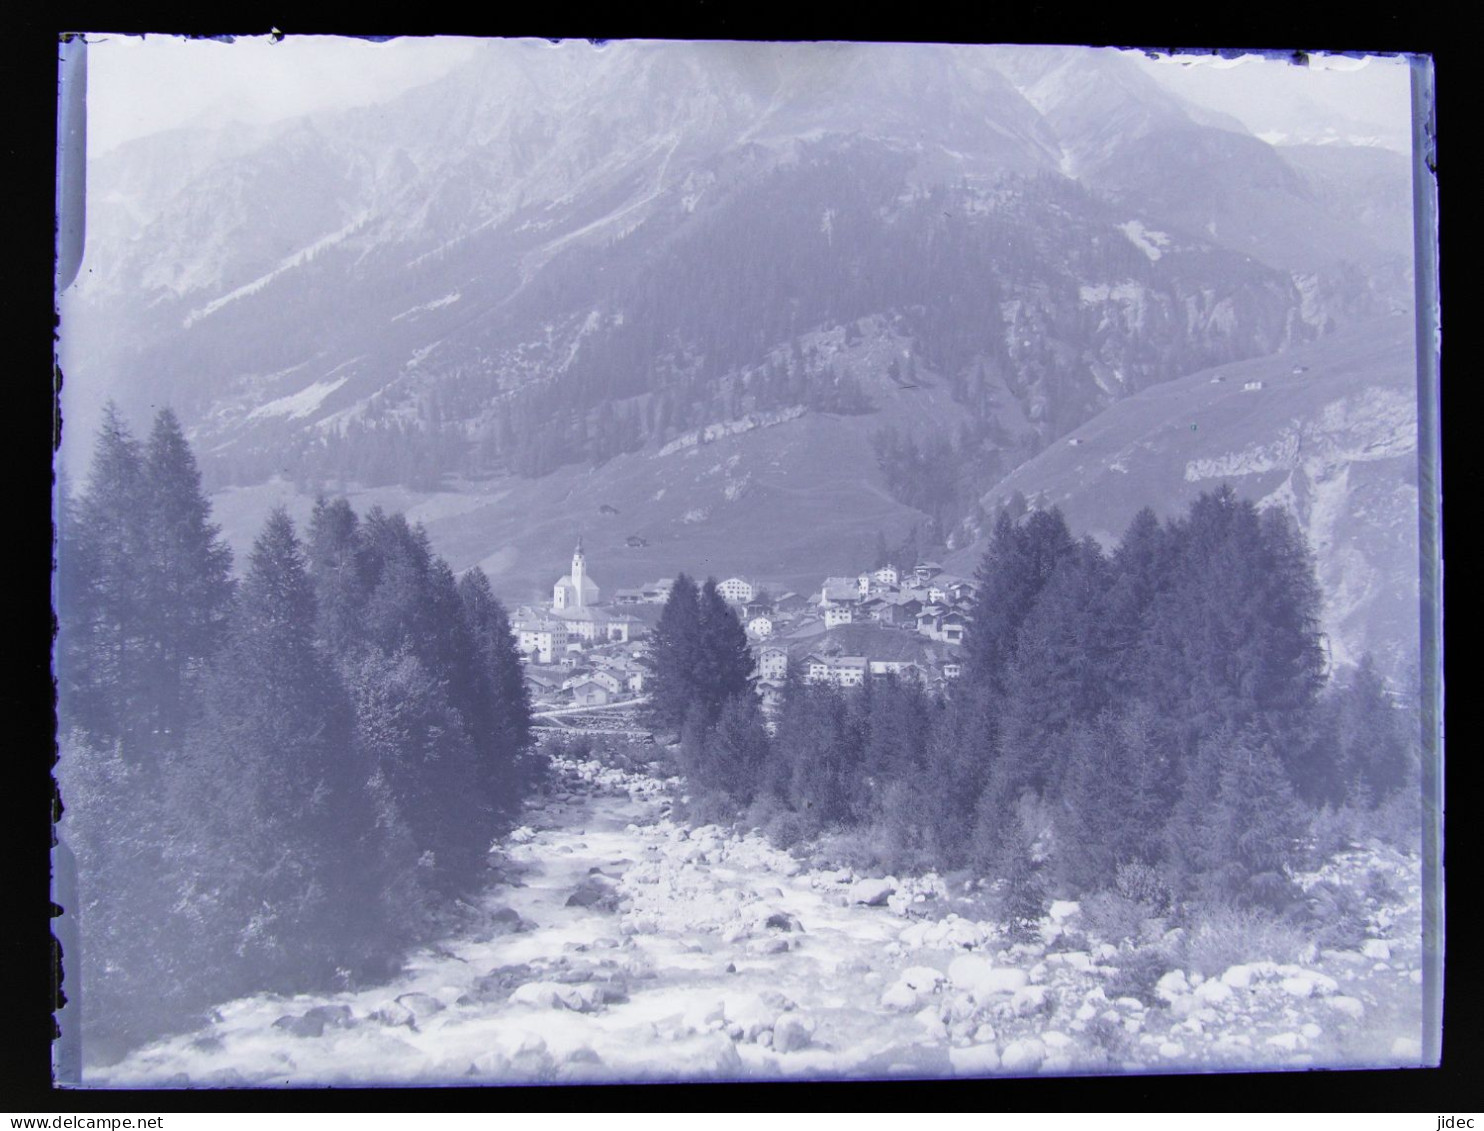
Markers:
point(575, 600)
point(576, 590)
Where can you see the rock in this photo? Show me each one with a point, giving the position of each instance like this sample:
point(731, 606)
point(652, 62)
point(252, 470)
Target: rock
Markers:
point(706, 1016)
point(497, 984)
point(595, 892)
point(507, 920)
point(1170, 1050)
point(1288, 1042)
point(1376, 949)
point(1171, 986)
point(1053, 1039)
point(1024, 1055)
point(1311, 1031)
point(924, 979)
point(768, 946)
point(394, 1013)
point(974, 973)
point(984, 1034)
point(976, 1060)
point(731, 968)
point(1037, 973)
point(782, 921)
point(1213, 993)
point(1062, 910)
point(544, 995)
point(1238, 977)
point(792, 1032)
point(872, 893)
point(582, 1055)
point(422, 1005)
point(1349, 1006)
point(1028, 1000)
point(1299, 986)
point(300, 1026)
point(901, 996)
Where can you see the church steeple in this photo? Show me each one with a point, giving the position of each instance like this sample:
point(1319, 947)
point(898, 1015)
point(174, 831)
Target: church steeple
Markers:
point(578, 569)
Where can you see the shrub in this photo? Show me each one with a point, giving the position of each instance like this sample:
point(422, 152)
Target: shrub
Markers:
point(1139, 972)
point(1113, 917)
point(1143, 883)
point(1334, 916)
point(1221, 936)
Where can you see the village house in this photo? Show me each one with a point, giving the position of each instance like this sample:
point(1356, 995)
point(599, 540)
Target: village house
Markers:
point(736, 590)
point(760, 627)
point(772, 664)
point(590, 693)
point(837, 614)
point(839, 591)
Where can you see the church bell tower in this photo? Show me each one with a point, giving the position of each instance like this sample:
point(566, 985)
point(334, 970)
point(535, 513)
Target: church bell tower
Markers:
point(578, 571)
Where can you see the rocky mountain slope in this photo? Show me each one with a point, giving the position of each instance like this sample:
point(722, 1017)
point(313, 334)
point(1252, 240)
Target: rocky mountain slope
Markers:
point(1328, 431)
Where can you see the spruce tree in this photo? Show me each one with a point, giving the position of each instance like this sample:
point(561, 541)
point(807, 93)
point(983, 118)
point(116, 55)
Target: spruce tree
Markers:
point(186, 576)
point(509, 724)
point(675, 656)
point(277, 828)
point(103, 638)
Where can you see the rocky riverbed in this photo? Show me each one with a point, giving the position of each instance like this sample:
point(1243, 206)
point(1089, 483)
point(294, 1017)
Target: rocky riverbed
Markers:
point(622, 946)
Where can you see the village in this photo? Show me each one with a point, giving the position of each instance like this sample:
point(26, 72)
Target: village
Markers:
point(584, 651)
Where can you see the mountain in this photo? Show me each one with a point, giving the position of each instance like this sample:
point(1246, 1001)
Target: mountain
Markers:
point(1328, 431)
point(533, 286)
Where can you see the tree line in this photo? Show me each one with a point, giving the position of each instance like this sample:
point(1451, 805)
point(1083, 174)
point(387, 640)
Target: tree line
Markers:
point(1156, 721)
point(272, 782)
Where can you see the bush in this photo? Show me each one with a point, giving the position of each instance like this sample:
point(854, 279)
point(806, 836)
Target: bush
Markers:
point(1139, 972)
point(1334, 916)
point(787, 829)
point(1145, 884)
point(1113, 917)
point(1220, 936)
point(1397, 821)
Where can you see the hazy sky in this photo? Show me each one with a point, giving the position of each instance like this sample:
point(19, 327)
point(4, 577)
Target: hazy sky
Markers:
point(139, 85)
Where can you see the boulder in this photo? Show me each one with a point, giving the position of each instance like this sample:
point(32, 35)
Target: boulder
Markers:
point(1061, 910)
point(900, 996)
point(983, 979)
point(394, 1013)
point(773, 945)
point(1378, 949)
point(976, 1060)
point(1238, 977)
point(422, 1005)
point(792, 1032)
point(1028, 1000)
point(595, 892)
point(782, 921)
point(1213, 993)
point(304, 1026)
point(1172, 985)
point(872, 893)
point(1024, 1055)
point(1351, 1007)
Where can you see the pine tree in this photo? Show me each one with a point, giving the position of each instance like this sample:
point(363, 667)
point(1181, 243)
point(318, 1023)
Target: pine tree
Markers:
point(338, 563)
point(509, 735)
point(101, 611)
point(674, 656)
point(187, 579)
point(725, 664)
point(277, 827)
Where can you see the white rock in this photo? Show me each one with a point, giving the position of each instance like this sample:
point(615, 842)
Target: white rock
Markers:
point(1086, 1012)
point(985, 1033)
point(1213, 992)
point(1170, 1049)
point(976, 1060)
point(1288, 1042)
point(1238, 977)
point(773, 945)
point(1416, 976)
point(1037, 973)
point(1055, 1040)
point(1063, 909)
point(1298, 986)
point(1311, 1031)
point(1024, 1055)
point(982, 978)
point(873, 893)
point(1106, 952)
point(394, 1013)
point(1172, 985)
point(792, 1032)
point(1028, 999)
point(900, 996)
point(706, 1015)
point(1349, 1006)
point(542, 995)
point(923, 978)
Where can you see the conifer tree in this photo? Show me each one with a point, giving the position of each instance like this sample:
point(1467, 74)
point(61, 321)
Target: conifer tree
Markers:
point(278, 826)
point(186, 575)
point(674, 655)
point(102, 639)
point(510, 705)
